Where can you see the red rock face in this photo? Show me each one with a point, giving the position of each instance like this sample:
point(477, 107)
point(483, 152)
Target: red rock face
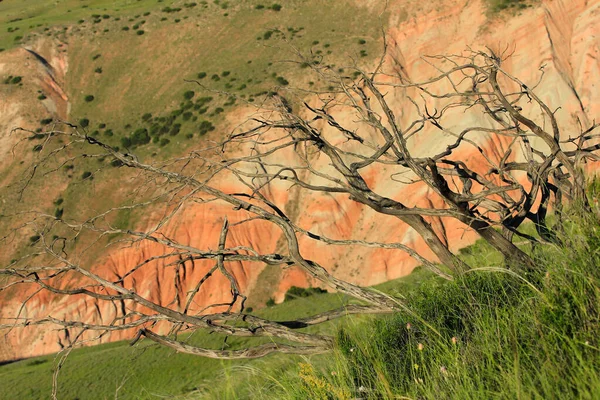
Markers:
point(561, 35)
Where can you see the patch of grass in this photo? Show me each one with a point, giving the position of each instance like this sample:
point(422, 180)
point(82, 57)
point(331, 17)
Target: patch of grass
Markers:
point(491, 333)
point(148, 369)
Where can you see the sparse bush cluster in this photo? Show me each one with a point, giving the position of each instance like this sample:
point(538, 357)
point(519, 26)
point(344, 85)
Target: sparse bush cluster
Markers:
point(13, 80)
point(500, 5)
point(296, 292)
point(274, 7)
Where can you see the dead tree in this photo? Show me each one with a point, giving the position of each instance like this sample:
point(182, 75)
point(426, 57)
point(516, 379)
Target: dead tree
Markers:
point(329, 141)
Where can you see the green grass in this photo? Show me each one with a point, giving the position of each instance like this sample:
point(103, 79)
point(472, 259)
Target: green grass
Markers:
point(148, 370)
point(491, 334)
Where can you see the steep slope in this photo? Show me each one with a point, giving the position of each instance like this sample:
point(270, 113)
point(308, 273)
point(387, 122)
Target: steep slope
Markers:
point(558, 35)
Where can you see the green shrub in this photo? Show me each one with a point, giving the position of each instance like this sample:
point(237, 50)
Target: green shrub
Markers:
point(500, 5)
point(84, 122)
point(89, 98)
point(15, 80)
point(98, 70)
point(140, 32)
point(189, 95)
point(201, 75)
point(46, 121)
point(140, 137)
point(205, 127)
point(270, 302)
point(175, 129)
point(126, 142)
point(282, 81)
point(164, 142)
point(86, 175)
point(296, 292)
point(275, 7)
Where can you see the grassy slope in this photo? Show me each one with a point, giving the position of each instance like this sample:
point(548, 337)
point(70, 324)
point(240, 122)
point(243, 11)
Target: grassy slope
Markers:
point(146, 73)
point(147, 370)
point(491, 334)
point(518, 336)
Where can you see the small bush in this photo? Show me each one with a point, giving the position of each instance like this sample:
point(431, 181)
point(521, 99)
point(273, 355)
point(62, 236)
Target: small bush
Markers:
point(276, 7)
point(282, 81)
point(86, 175)
point(84, 122)
point(189, 95)
point(89, 98)
point(175, 129)
point(270, 302)
point(125, 142)
point(201, 75)
point(296, 292)
point(140, 137)
point(140, 32)
point(98, 70)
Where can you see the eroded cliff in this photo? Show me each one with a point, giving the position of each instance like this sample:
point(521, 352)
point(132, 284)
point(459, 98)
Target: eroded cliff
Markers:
point(558, 36)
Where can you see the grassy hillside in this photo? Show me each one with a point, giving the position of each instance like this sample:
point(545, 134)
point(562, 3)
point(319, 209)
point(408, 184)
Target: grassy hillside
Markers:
point(129, 64)
point(148, 370)
point(492, 333)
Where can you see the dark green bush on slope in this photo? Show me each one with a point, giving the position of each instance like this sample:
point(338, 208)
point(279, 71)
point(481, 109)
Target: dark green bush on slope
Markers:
point(296, 292)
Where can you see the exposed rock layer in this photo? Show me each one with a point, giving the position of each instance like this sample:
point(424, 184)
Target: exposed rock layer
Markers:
point(561, 35)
